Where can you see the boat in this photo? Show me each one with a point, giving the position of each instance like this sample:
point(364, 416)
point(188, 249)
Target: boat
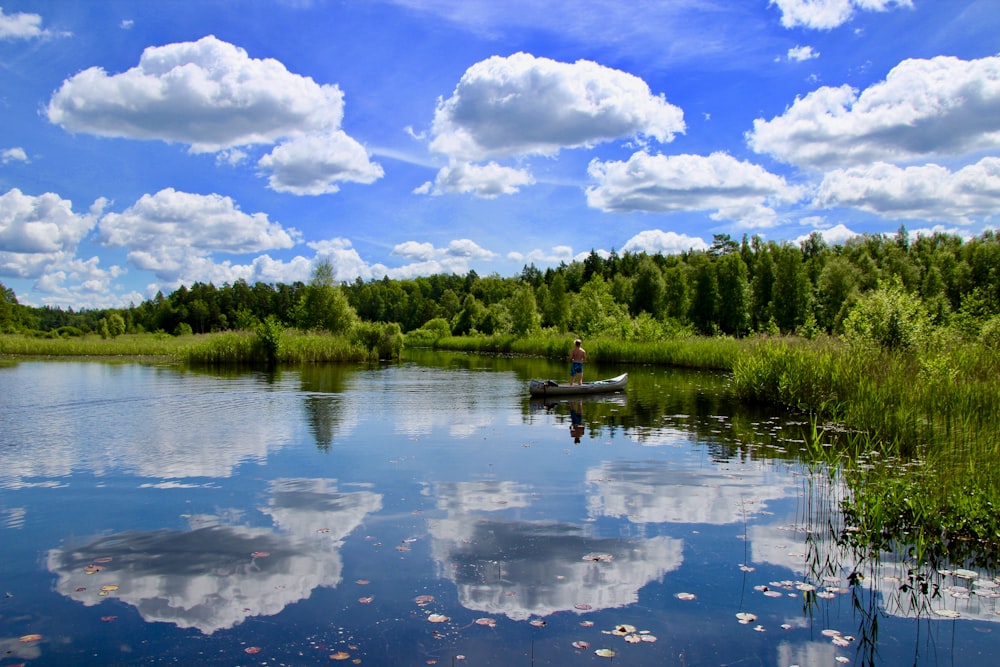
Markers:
point(553, 388)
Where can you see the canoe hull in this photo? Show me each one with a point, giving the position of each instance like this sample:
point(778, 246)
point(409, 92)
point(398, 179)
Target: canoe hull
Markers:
point(549, 388)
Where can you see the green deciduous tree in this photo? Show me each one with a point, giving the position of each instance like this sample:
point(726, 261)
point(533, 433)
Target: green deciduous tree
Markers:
point(888, 316)
point(524, 317)
point(323, 304)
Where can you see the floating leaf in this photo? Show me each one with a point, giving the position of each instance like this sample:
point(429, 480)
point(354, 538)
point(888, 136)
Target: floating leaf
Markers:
point(423, 599)
point(108, 619)
point(362, 582)
point(965, 574)
point(367, 600)
point(830, 633)
point(488, 622)
point(437, 618)
point(633, 639)
point(647, 637)
point(684, 596)
point(259, 554)
point(583, 606)
point(604, 653)
point(538, 623)
point(109, 588)
point(587, 624)
point(581, 645)
point(340, 655)
point(947, 613)
point(103, 559)
point(623, 629)
point(746, 617)
point(92, 569)
point(599, 558)
point(27, 639)
point(252, 650)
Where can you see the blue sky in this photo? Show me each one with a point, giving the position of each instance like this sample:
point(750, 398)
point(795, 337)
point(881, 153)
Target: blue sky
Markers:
point(145, 145)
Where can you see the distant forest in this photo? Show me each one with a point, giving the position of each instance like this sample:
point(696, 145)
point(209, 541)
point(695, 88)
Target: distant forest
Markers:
point(734, 288)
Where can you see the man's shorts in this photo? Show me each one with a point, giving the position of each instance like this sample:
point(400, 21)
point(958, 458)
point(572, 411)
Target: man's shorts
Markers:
point(575, 368)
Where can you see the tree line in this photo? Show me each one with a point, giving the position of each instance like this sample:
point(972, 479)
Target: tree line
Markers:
point(733, 288)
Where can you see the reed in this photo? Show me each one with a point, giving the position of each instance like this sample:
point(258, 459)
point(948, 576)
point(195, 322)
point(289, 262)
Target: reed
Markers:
point(129, 345)
point(684, 352)
point(924, 434)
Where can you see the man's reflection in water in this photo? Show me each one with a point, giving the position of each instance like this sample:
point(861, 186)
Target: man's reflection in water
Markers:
point(576, 421)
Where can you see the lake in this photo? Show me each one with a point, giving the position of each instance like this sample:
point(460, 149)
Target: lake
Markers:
point(428, 512)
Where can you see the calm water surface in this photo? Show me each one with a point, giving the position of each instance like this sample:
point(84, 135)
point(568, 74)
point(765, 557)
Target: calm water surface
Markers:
point(430, 513)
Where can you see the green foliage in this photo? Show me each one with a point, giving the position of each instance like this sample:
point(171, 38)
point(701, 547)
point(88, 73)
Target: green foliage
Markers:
point(888, 317)
point(381, 340)
point(183, 329)
point(116, 325)
point(323, 305)
point(989, 335)
point(269, 339)
point(524, 317)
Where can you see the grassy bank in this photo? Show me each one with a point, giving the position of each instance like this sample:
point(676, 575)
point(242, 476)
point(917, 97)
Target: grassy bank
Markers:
point(227, 348)
point(689, 352)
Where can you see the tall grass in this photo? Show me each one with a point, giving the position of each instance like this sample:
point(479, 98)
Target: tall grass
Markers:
point(237, 348)
point(684, 352)
point(130, 345)
point(246, 348)
point(926, 424)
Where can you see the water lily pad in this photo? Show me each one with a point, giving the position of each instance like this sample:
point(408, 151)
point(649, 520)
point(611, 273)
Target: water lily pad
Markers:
point(27, 639)
point(604, 653)
point(684, 596)
point(947, 613)
point(488, 622)
point(340, 655)
point(965, 574)
point(599, 557)
point(581, 645)
point(746, 617)
point(438, 618)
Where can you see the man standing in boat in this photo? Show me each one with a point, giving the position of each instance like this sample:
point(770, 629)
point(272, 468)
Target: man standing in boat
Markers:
point(576, 359)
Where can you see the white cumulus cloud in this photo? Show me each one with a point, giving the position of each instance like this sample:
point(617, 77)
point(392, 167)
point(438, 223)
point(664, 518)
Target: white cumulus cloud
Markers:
point(656, 241)
point(21, 26)
point(944, 106)
point(175, 233)
point(15, 154)
point(487, 181)
point(212, 96)
point(209, 94)
point(927, 192)
point(523, 105)
point(313, 164)
point(37, 232)
point(735, 190)
point(802, 53)
point(828, 14)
